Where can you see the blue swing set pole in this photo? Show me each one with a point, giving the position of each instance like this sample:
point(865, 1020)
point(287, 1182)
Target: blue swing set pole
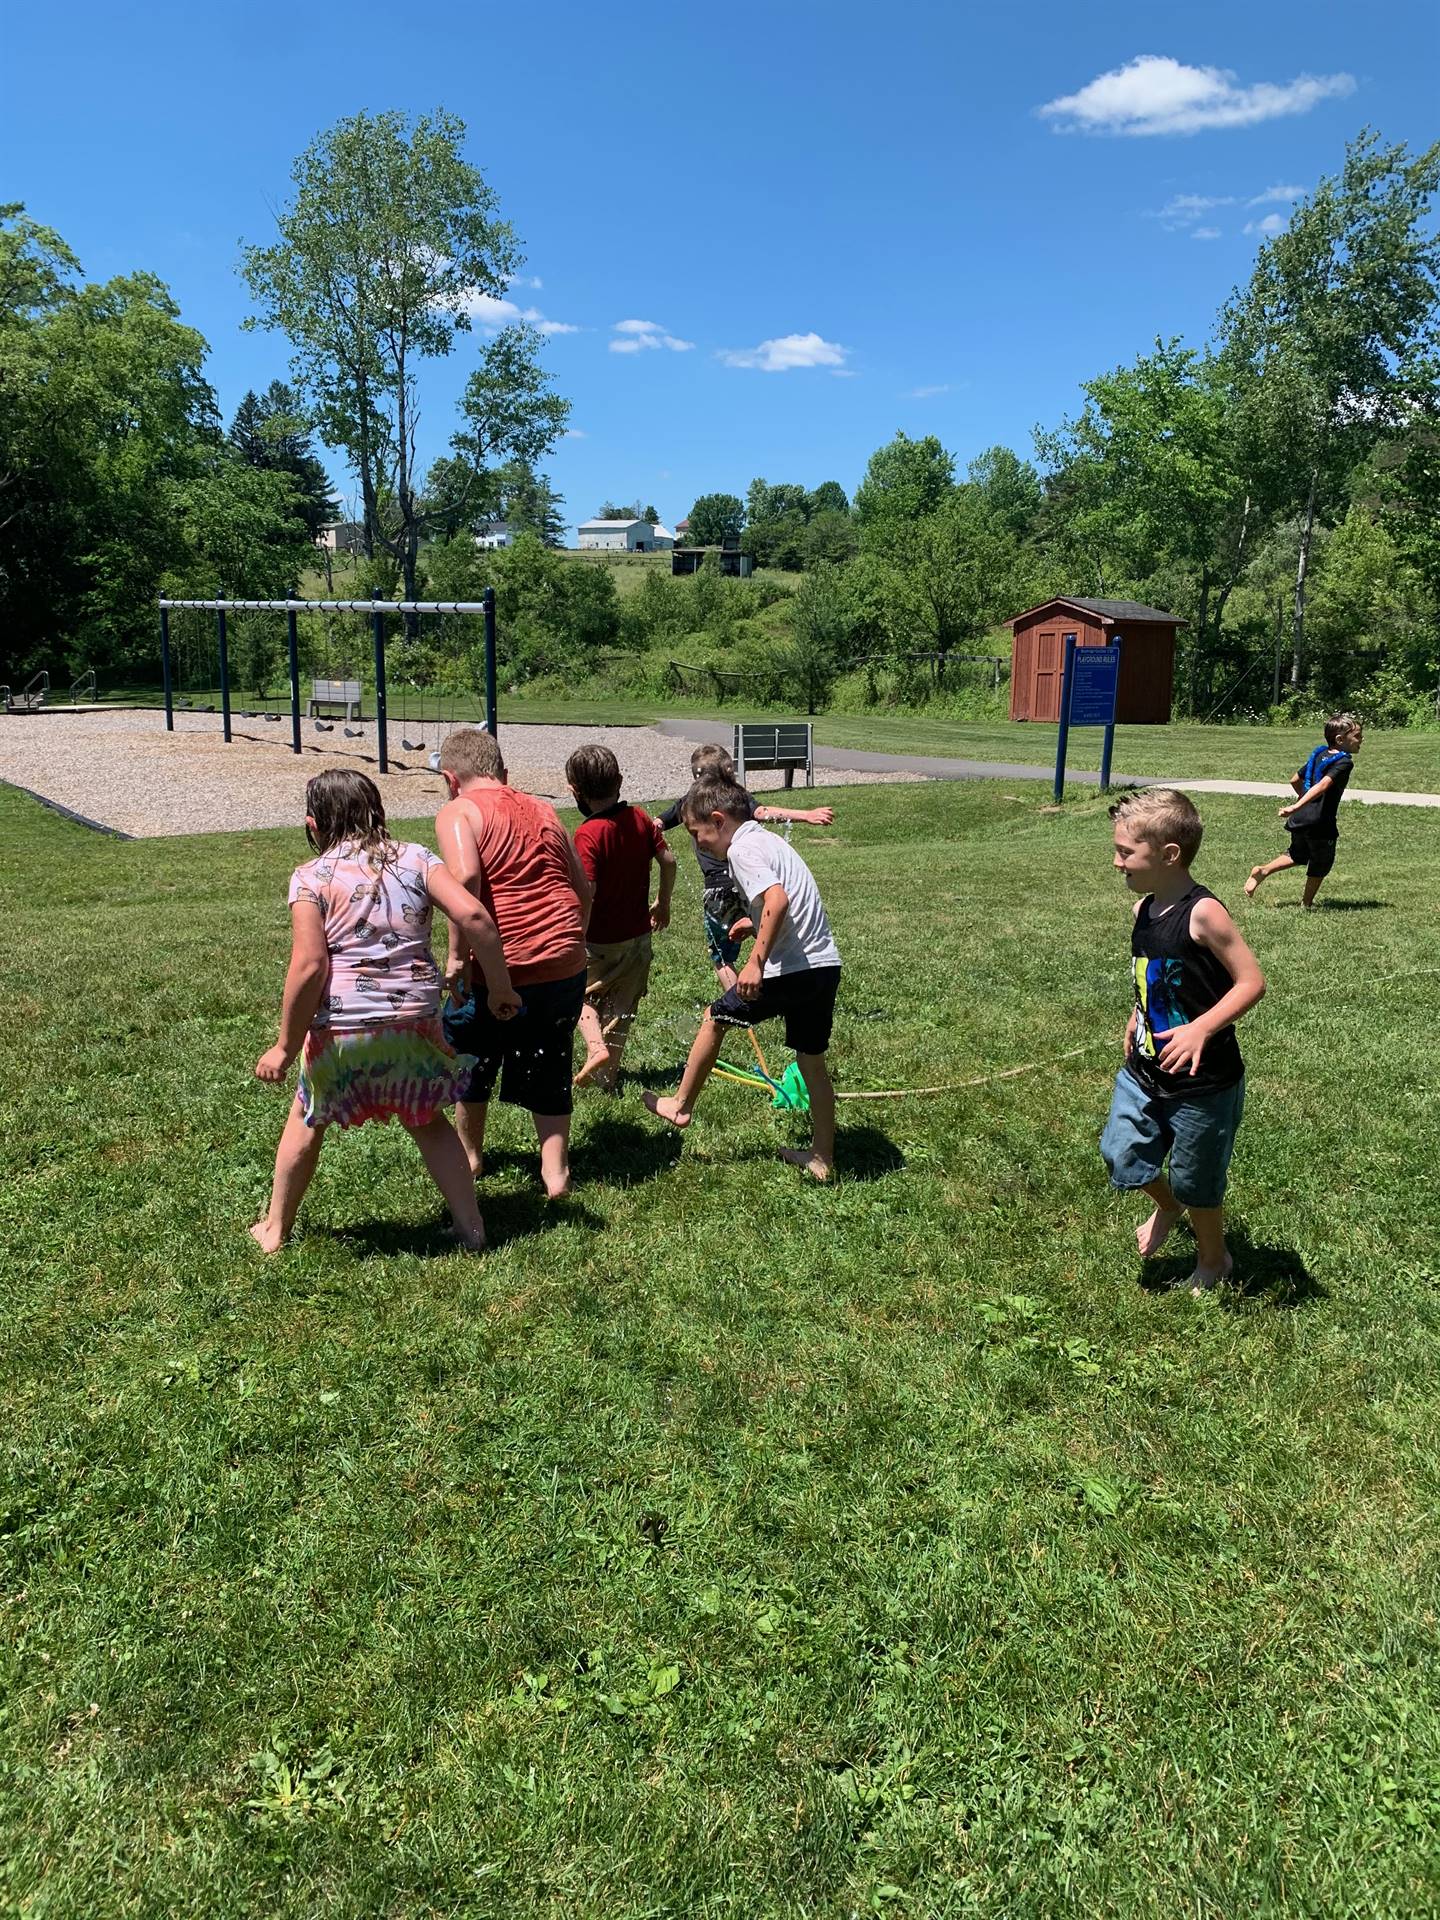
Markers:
point(292, 637)
point(165, 669)
point(492, 725)
point(377, 624)
point(224, 673)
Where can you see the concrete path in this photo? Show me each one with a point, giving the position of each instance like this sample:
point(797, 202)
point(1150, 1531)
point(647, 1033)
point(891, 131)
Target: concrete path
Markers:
point(938, 767)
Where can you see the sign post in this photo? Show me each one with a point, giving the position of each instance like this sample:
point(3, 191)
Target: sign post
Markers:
point(1088, 696)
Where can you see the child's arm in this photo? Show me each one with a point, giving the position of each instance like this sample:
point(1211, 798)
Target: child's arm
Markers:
point(803, 816)
point(580, 880)
point(660, 910)
point(471, 926)
point(774, 906)
point(305, 981)
point(1313, 793)
point(1212, 926)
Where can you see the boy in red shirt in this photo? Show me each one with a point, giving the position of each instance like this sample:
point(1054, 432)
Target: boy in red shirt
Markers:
point(616, 844)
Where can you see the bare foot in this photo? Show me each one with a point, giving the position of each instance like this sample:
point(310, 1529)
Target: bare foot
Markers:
point(666, 1107)
point(1257, 874)
point(591, 1066)
point(808, 1161)
point(1204, 1278)
point(560, 1189)
point(472, 1239)
point(1151, 1237)
point(269, 1239)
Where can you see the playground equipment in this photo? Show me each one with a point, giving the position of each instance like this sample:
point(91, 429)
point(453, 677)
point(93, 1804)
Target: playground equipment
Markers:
point(197, 657)
point(31, 696)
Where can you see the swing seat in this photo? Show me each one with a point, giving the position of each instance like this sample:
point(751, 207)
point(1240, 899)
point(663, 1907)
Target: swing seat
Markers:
point(412, 746)
point(324, 726)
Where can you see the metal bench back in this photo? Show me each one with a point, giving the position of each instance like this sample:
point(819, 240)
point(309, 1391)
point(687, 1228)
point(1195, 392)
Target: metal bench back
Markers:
point(787, 744)
point(337, 693)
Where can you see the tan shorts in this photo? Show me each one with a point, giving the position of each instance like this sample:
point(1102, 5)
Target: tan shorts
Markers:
point(616, 981)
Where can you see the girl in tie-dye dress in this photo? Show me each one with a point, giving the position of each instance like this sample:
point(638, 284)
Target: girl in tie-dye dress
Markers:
point(362, 997)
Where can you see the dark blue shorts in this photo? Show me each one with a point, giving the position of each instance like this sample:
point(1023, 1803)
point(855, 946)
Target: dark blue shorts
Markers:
point(532, 1056)
point(1196, 1136)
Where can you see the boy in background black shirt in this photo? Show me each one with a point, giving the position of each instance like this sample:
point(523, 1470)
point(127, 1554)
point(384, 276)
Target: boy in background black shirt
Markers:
point(1314, 829)
point(1181, 1092)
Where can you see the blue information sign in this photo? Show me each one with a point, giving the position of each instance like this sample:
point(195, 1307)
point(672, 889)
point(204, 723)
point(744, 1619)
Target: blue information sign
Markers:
point(1094, 679)
point(1088, 694)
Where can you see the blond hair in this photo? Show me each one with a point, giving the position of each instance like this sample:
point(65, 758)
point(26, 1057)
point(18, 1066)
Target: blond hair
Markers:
point(1163, 816)
point(470, 753)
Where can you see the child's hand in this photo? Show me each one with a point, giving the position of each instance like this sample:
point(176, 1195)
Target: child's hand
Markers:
point(820, 816)
point(1183, 1048)
point(750, 980)
point(1285, 812)
point(272, 1066)
point(457, 977)
point(504, 1002)
point(659, 917)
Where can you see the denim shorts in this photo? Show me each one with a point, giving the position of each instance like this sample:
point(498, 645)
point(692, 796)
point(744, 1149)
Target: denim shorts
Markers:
point(1196, 1135)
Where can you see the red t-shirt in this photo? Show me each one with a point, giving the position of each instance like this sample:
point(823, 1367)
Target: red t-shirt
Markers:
point(526, 885)
point(615, 849)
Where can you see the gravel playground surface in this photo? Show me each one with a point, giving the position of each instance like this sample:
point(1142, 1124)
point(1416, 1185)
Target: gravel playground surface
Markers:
point(120, 768)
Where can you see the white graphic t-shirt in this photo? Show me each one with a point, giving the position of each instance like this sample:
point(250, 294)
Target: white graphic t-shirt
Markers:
point(761, 860)
point(377, 928)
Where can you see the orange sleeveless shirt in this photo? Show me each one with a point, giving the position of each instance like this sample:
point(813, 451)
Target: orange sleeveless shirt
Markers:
point(525, 884)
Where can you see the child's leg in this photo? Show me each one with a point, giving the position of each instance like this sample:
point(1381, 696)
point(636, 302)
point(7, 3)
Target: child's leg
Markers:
point(1152, 1234)
point(597, 1054)
point(819, 1158)
point(1257, 874)
point(296, 1159)
point(552, 1130)
point(449, 1167)
point(1313, 884)
point(678, 1107)
point(470, 1116)
point(1212, 1256)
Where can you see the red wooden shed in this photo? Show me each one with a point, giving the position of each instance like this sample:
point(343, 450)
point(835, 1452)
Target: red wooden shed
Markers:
point(1147, 659)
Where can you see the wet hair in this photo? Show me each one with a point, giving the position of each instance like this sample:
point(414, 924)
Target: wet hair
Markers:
point(715, 794)
point(1161, 815)
point(712, 759)
point(470, 753)
point(347, 810)
point(594, 774)
point(1339, 723)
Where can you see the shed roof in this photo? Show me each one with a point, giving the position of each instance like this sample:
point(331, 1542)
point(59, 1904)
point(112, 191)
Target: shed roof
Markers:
point(1109, 611)
point(589, 526)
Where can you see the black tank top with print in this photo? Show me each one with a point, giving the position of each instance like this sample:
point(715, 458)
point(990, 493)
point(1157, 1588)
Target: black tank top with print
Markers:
point(1177, 980)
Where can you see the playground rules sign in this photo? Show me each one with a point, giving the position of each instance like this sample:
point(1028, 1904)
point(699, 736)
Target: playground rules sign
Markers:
point(1088, 696)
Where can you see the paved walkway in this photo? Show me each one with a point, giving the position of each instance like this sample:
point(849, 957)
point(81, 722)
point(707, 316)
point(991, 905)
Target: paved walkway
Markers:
point(937, 767)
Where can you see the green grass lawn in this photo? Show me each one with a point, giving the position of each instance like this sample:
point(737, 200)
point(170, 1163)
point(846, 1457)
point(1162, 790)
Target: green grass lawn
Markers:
point(719, 1545)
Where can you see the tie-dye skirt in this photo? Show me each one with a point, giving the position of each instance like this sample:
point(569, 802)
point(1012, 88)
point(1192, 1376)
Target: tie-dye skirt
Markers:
point(405, 1072)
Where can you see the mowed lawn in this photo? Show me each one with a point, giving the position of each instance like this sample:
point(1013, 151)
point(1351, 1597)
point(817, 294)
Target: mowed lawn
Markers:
point(719, 1545)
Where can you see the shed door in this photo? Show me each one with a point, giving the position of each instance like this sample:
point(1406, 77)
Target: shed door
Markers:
point(1022, 702)
point(1049, 654)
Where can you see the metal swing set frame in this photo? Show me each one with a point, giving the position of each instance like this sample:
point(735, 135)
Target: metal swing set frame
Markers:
point(379, 611)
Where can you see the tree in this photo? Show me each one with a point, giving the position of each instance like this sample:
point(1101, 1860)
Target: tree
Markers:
point(828, 497)
point(1009, 487)
point(530, 504)
point(387, 243)
point(651, 515)
point(271, 434)
point(1338, 312)
point(715, 518)
point(458, 499)
point(631, 511)
point(819, 626)
point(830, 536)
point(905, 481)
point(955, 578)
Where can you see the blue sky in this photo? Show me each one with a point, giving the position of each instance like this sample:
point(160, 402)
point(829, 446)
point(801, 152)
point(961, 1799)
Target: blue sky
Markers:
point(946, 216)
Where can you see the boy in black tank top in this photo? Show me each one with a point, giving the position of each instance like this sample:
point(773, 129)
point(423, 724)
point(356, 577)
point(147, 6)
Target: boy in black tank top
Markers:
point(1181, 1091)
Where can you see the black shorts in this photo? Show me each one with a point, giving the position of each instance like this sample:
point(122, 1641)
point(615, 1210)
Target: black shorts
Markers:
point(1313, 850)
point(806, 1000)
point(533, 1055)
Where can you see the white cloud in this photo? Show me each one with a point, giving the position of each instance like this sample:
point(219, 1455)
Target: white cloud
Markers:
point(1156, 94)
point(638, 336)
point(926, 393)
point(1272, 224)
point(1287, 196)
point(574, 433)
point(791, 350)
point(531, 280)
point(1181, 208)
point(1205, 233)
point(486, 310)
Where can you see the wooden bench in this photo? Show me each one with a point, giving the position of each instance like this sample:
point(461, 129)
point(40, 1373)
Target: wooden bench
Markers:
point(345, 694)
point(788, 745)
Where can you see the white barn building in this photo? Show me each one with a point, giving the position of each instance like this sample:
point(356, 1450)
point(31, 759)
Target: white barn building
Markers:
point(494, 533)
point(616, 536)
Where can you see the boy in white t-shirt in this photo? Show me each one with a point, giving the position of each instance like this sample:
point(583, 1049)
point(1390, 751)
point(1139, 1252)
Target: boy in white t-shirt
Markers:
point(793, 970)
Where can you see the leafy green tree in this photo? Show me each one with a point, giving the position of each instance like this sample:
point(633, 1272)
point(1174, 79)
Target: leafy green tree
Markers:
point(1338, 313)
point(630, 511)
point(715, 518)
point(1009, 488)
point(819, 629)
point(906, 480)
point(271, 434)
point(388, 242)
point(530, 504)
point(457, 498)
point(828, 497)
point(831, 538)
